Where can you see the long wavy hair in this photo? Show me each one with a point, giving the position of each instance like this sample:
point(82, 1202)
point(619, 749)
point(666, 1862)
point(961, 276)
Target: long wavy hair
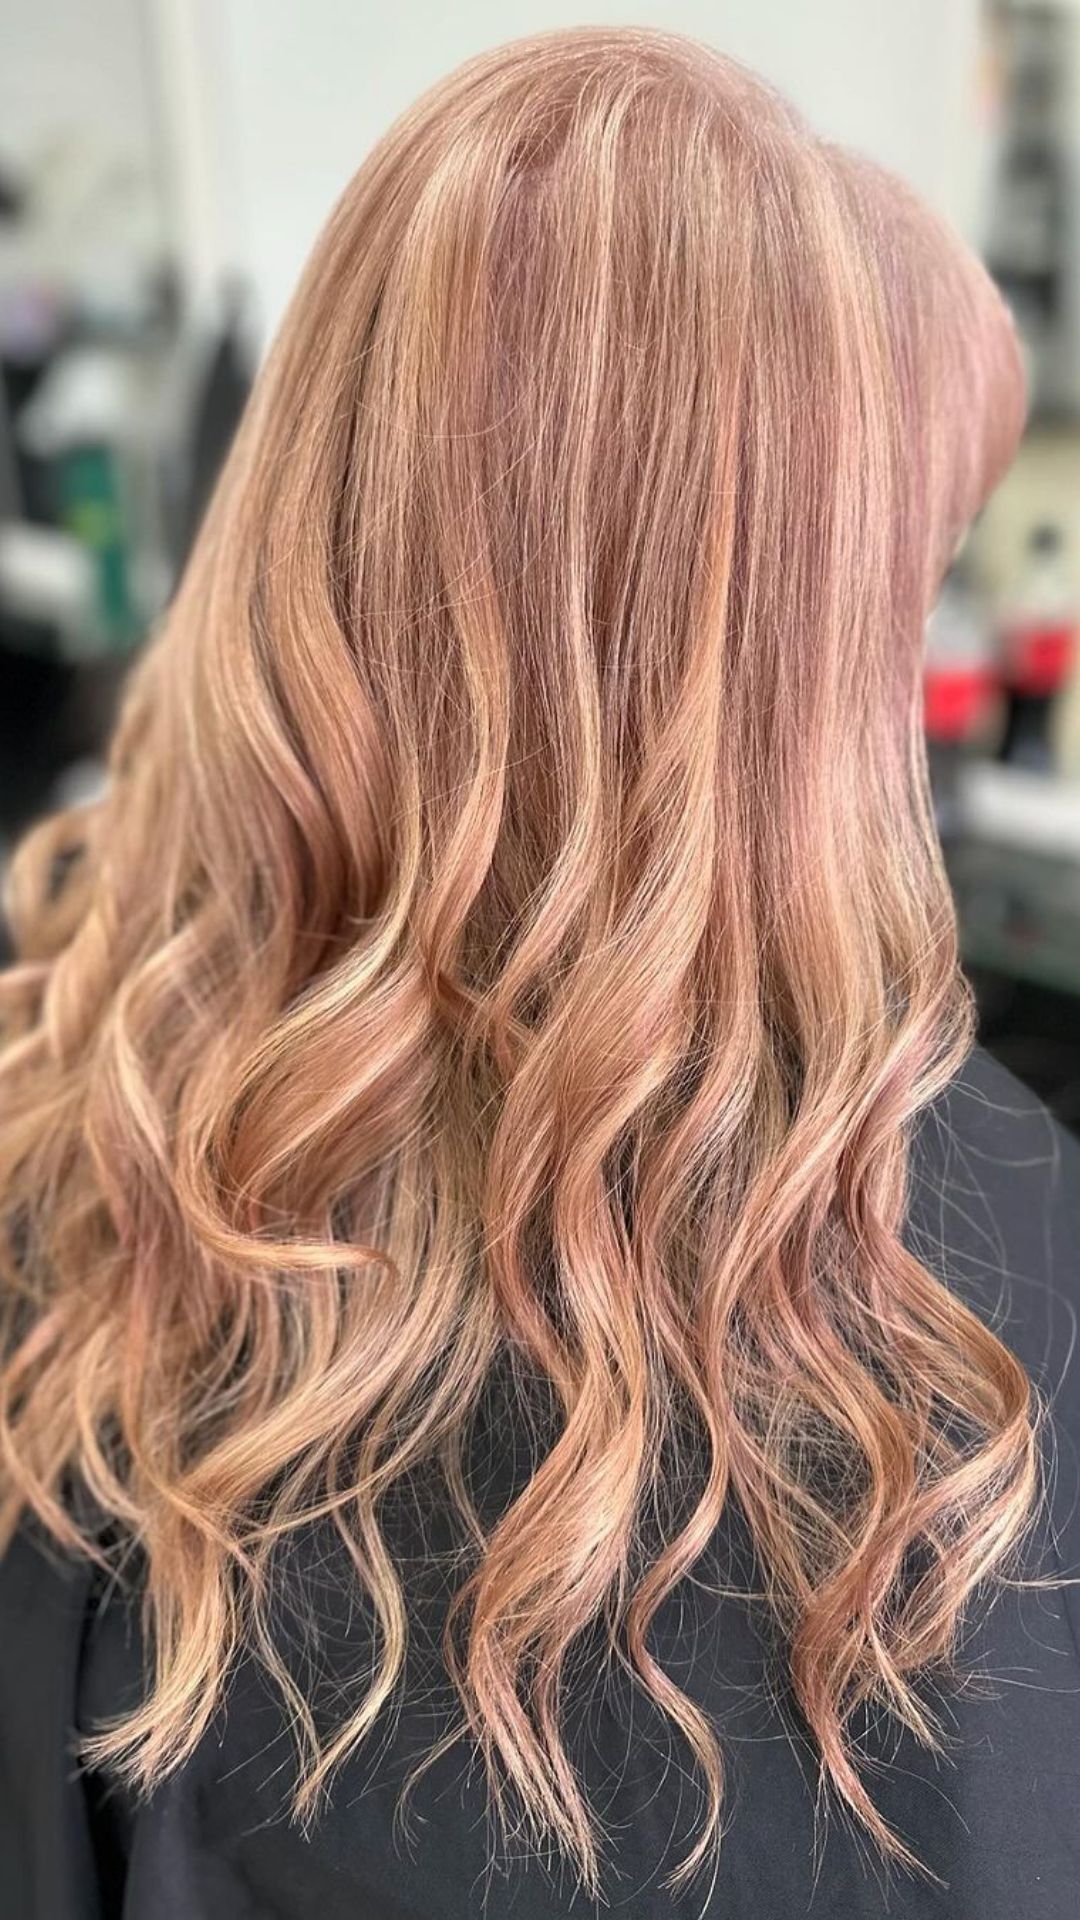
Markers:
point(515, 933)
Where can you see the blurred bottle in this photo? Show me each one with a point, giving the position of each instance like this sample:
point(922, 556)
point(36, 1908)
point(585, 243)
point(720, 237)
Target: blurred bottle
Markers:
point(1038, 641)
point(81, 420)
point(961, 698)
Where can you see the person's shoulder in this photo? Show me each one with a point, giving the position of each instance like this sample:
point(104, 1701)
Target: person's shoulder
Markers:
point(994, 1210)
point(1000, 1117)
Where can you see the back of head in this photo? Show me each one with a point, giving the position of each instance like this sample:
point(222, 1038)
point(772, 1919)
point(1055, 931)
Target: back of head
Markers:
point(515, 935)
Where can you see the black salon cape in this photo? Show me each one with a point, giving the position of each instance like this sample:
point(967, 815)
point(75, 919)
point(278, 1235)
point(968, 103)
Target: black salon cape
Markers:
point(996, 1211)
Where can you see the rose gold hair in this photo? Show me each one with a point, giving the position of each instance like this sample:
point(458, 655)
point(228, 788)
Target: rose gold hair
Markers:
point(516, 926)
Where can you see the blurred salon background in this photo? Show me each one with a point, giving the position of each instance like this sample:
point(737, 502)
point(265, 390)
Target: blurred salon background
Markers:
point(164, 167)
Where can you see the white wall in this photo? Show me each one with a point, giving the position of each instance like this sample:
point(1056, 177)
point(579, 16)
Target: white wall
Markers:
point(311, 83)
point(77, 126)
point(73, 67)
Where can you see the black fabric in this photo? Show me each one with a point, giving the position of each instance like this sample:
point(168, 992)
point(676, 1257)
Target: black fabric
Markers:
point(996, 1212)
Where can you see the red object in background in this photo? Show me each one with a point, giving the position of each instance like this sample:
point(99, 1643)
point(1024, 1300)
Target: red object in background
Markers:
point(961, 680)
point(958, 699)
point(1038, 657)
